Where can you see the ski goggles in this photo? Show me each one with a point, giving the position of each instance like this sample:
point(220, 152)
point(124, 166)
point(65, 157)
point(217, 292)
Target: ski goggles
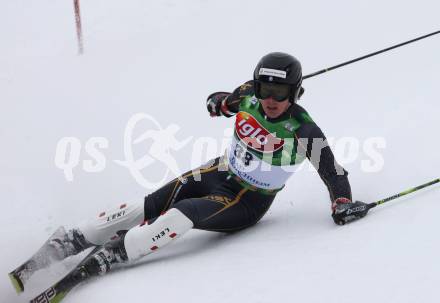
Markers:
point(279, 92)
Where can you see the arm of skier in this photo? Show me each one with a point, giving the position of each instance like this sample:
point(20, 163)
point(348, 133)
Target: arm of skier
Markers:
point(227, 104)
point(335, 178)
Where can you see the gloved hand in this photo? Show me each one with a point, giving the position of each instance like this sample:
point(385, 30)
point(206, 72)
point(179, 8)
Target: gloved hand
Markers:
point(345, 211)
point(214, 103)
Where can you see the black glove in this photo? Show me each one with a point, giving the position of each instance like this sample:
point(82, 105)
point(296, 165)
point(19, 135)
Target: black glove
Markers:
point(214, 103)
point(344, 211)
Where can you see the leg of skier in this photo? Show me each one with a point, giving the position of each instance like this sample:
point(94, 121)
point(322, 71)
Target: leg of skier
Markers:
point(228, 208)
point(108, 225)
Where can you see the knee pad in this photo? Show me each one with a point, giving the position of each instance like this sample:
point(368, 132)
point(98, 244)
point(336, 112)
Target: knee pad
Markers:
point(107, 224)
point(144, 239)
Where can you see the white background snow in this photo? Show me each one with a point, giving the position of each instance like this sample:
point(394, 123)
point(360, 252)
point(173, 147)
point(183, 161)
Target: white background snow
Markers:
point(163, 58)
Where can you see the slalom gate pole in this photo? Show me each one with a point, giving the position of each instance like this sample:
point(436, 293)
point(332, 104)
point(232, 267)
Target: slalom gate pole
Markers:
point(369, 55)
point(404, 193)
point(78, 27)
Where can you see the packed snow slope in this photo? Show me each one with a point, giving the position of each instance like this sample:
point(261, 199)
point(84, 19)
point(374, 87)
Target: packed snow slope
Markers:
point(163, 58)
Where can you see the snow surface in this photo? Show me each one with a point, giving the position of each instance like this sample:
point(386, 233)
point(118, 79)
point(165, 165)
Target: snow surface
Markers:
point(163, 58)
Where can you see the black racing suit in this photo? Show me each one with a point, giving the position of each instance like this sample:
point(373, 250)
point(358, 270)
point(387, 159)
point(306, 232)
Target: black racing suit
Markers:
point(220, 201)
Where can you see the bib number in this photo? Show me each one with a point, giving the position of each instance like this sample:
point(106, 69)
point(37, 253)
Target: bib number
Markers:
point(243, 155)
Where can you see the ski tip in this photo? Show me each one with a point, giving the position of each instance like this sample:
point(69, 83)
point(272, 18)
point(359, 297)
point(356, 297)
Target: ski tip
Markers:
point(19, 288)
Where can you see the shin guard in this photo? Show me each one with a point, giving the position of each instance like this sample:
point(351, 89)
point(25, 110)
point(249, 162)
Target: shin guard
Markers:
point(106, 225)
point(144, 239)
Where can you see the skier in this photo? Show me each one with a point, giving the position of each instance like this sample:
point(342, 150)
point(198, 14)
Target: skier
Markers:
point(273, 135)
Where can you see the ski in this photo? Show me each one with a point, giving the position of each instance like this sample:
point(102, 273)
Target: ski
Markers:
point(59, 290)
point(59, 246)
point(44, 257)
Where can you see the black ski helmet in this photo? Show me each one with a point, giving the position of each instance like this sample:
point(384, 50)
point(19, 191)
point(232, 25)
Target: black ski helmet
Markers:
point(280, 68)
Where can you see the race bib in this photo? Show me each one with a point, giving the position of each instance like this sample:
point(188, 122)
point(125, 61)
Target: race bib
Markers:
point(257, 171)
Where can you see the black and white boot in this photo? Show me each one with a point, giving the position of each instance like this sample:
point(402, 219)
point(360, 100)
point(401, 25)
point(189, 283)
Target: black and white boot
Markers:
point(106, 257)
point(65, 244)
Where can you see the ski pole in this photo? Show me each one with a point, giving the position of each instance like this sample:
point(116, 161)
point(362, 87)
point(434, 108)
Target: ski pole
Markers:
point(404, 193)
point(360, 209)
point(369, 55)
